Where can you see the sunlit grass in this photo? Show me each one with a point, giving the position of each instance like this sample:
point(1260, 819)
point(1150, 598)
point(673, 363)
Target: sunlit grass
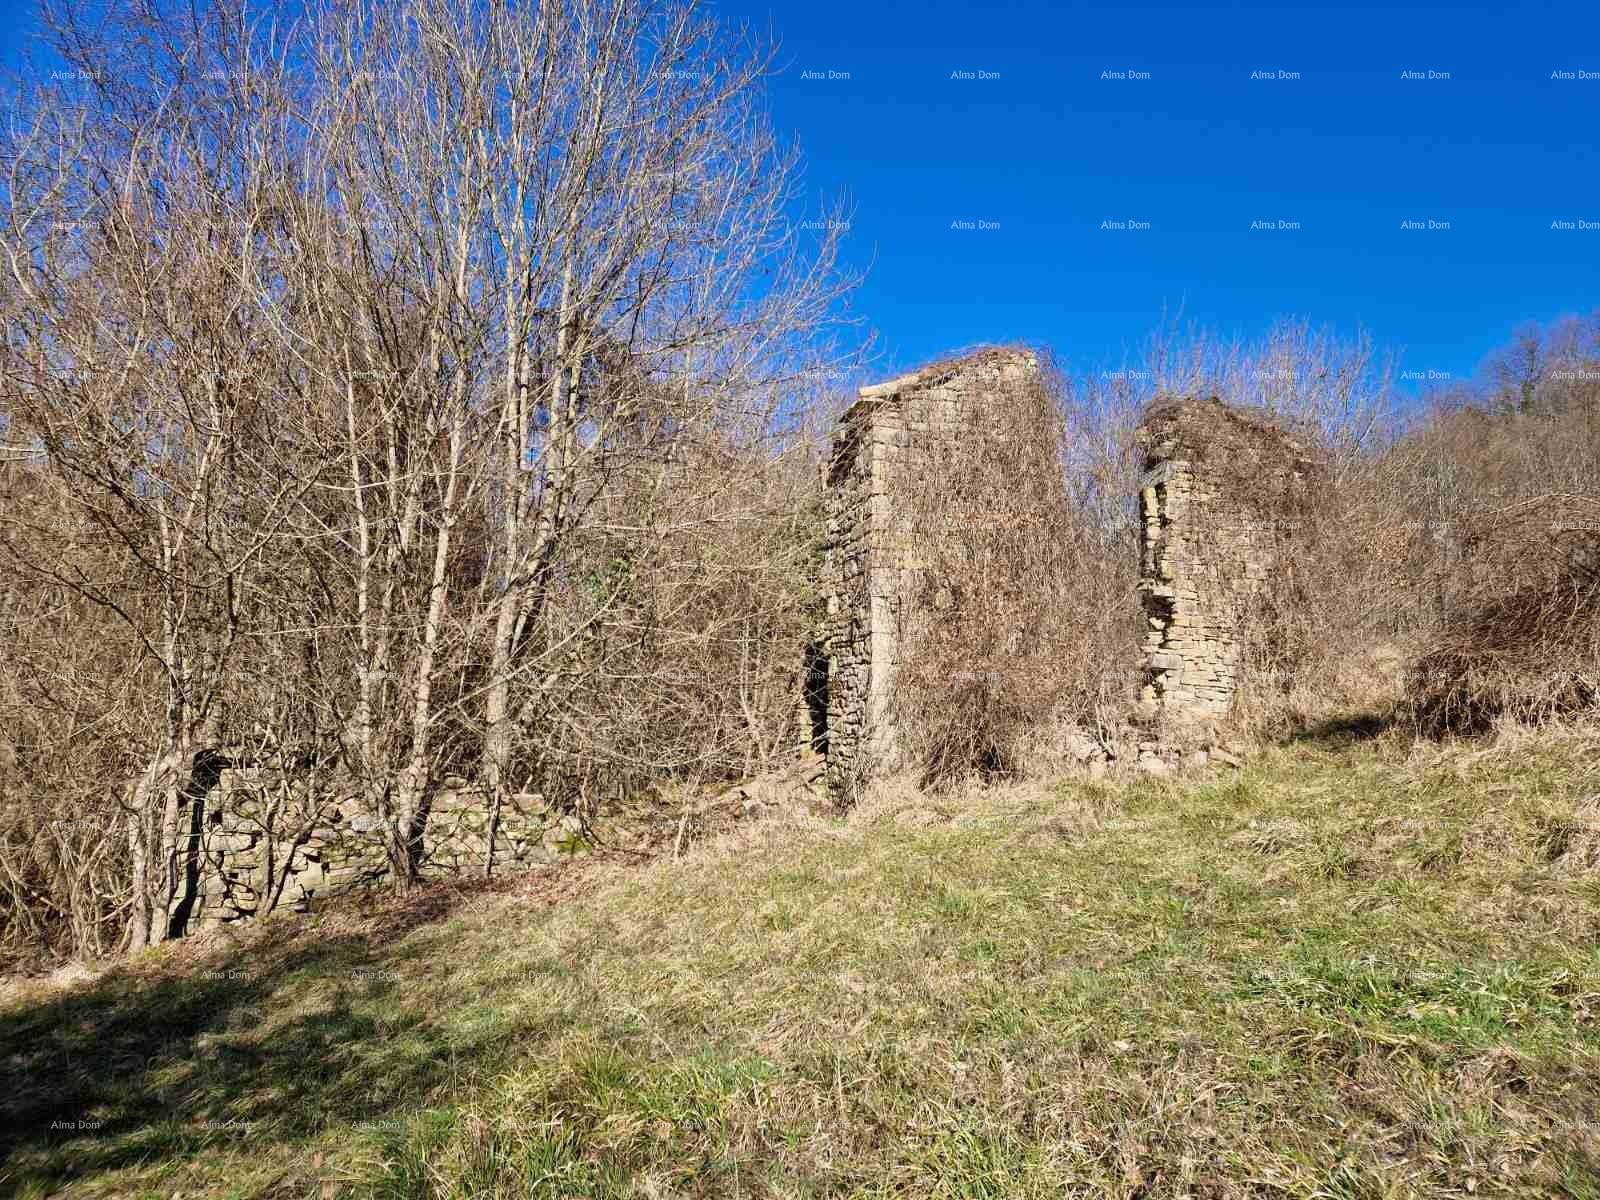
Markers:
point(1346, 970)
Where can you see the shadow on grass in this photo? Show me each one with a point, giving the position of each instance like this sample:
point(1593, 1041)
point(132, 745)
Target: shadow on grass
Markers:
point(135, 1070)
point(1341, 733)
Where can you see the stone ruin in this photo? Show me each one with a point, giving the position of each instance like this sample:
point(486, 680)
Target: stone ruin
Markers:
point(1219, 503)
point(251, 855)
point(868, 560)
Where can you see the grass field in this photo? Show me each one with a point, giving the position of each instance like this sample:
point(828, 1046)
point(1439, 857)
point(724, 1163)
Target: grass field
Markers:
point(1355, 968)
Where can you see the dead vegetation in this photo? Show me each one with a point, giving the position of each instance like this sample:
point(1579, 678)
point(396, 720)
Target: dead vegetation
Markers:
point(1436, 563)
point(1012, 571)
point(398, 490)
point(327, 448)
point(1522, 640)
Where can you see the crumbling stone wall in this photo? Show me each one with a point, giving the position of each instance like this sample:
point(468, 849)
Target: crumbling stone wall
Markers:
point(869, 554)
point(247, 863)
point(1222, 504)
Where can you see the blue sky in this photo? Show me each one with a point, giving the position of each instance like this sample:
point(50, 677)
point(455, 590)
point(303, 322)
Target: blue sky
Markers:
point(1341, 148)
point(985, 149)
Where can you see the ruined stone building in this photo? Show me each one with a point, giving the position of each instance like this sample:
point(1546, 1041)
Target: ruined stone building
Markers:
point(1222, 502)
point(1222, 507)
point(869, 554)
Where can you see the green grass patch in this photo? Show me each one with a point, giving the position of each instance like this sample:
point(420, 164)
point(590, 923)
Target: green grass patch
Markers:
point(1349, 970)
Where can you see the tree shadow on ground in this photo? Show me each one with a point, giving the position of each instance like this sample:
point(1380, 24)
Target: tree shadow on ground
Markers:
point(1341, 733)
point(133, 1069)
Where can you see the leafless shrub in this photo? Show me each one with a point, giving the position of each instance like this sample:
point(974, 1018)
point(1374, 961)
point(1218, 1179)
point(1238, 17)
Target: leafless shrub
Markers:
point(1523, 640)
point(1020, 615)
point(1310, 378)
point(685, 616)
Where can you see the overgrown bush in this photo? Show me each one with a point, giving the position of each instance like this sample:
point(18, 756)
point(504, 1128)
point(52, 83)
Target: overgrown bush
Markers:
point(1023, 612)
point(1523, 641)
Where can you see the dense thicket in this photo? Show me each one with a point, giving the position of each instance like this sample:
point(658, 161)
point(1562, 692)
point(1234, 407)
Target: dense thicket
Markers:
point(390, 390)
point(1443, 572)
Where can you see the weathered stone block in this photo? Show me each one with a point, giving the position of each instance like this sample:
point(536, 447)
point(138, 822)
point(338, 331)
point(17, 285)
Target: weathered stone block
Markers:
point(1220, 503)
point(874, 448)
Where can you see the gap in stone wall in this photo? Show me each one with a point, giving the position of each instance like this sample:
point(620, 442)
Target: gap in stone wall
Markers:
point(1219, 504)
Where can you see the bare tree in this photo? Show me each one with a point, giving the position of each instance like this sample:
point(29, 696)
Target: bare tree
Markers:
point(380, 362)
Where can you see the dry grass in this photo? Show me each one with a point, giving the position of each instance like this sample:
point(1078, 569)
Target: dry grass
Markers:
point(1524, 641)
point(1359, 967)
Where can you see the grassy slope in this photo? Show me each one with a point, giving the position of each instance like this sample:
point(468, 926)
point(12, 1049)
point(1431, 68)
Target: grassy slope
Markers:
point(1344, 971)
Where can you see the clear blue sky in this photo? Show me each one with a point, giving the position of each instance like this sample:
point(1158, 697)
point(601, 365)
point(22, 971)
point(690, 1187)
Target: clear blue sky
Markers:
point(1040, 153)
point(1049, 150)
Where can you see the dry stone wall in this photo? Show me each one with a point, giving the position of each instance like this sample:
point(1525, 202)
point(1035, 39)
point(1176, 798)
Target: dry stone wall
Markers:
point(250, 858)
point(1221, 504)
point(870, 553)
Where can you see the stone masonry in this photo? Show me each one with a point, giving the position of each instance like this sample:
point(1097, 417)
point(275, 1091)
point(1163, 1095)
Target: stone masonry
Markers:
point(868, 554)
point(250, 861)
point(1220, 504)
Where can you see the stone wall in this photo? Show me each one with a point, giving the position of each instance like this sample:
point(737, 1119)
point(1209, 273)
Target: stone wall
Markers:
point(257, 851)
point(869, 553)
point(1221, 504)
